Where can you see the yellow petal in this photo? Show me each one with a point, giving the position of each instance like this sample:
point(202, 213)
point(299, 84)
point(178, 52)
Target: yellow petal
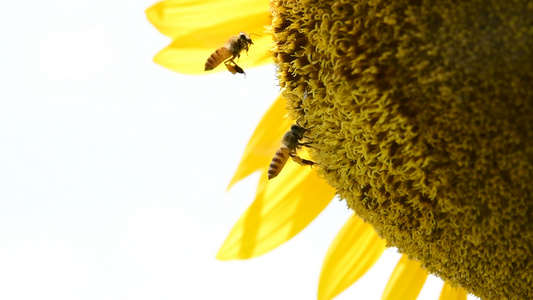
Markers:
point(282, 208)
point(451, 293)
point(176, 18)
point(189, 53)
point(406, 280)
point(264, 142)
point(355, 249)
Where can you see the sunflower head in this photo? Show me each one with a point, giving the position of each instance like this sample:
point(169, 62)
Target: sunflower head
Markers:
point(421, 116)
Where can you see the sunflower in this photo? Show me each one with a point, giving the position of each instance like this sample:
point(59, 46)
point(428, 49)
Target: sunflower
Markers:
point(422, 113)
point(282, 207)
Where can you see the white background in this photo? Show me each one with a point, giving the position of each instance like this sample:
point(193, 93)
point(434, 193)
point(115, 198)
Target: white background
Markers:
point(113, 169)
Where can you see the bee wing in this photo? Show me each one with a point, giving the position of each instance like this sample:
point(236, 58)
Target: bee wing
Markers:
point(232, 42)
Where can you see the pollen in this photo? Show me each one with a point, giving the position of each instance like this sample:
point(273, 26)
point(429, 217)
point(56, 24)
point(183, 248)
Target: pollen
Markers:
point(421, 113)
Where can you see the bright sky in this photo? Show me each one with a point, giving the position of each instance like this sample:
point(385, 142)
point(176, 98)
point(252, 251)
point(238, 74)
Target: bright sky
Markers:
point(114, 169)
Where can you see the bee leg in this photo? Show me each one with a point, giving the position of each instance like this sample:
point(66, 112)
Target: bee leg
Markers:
point(301, 161)
point(307, 144)
point(233, 67)
point(308, 162)
point(239, 70)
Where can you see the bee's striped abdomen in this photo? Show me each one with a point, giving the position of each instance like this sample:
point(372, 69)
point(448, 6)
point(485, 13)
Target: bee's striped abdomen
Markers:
point(217, 57)
point(279, 160)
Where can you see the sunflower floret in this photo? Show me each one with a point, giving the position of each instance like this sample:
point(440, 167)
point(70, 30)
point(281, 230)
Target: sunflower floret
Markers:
point(421, 112)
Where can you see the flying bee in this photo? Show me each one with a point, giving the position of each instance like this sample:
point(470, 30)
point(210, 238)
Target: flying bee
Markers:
point(289, 146)
point(229, 52)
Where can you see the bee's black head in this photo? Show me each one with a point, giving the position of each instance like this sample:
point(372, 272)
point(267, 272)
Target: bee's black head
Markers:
point(245, 38)
point(298, 131)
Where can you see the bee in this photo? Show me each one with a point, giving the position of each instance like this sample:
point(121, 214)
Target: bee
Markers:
point(229, 52)
point(289, 145)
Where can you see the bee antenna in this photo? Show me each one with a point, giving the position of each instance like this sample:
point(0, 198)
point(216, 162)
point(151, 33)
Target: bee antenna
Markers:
point(254, 34)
